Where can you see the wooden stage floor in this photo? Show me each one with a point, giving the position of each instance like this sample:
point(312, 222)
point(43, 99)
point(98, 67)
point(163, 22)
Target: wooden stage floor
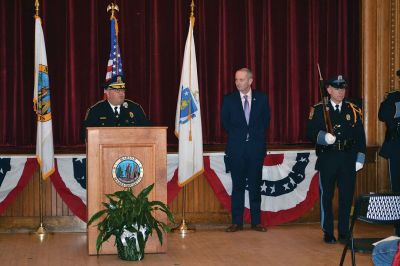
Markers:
point(293, 244)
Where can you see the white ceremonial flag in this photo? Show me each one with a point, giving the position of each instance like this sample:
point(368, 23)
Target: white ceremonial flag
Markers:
point(42, 106)
point(188, 116)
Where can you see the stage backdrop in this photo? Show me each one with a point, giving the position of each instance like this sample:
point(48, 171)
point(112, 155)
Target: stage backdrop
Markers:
point(281, 41)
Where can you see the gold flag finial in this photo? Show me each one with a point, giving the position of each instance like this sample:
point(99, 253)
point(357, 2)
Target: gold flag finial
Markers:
point(192, 18)
point(112, 7)
point(36, 8)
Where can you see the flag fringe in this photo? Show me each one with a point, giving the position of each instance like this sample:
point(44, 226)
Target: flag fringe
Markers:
point(191, 178)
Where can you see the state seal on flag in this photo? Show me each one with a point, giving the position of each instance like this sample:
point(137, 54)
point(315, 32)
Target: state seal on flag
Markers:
point(127, 171)
point(188, 106)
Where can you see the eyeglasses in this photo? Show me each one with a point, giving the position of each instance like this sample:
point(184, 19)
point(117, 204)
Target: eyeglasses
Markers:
point(117, 90)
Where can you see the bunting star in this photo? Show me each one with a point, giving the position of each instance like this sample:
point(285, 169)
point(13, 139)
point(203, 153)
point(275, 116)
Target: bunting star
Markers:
point(264, 187)
point(273, 189)
point(80, 159)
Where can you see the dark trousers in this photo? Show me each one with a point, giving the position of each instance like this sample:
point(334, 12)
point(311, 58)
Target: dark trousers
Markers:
point(246, 167)
point(336, 168)
point(394, 174)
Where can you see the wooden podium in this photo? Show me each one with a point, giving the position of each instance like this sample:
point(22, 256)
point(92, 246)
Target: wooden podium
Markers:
point(105, 145)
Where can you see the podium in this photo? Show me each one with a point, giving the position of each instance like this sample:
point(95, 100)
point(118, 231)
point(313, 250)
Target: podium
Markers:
point(105, 146)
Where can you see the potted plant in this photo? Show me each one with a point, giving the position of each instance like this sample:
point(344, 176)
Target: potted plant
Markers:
point(130, 219)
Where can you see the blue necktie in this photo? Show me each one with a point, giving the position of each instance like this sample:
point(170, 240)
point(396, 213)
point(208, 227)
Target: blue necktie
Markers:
point(246, 109)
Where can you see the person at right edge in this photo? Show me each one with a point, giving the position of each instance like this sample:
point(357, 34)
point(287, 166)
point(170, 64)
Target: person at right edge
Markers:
point(389, 112)
point(340, 155)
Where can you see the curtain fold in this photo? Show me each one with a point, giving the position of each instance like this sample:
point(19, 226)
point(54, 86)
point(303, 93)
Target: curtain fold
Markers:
point(281, 41)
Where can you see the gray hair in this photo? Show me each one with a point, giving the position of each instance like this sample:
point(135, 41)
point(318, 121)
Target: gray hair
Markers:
point(248, 71)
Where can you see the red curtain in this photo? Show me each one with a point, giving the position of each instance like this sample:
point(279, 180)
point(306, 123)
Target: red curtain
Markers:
point(281, 41)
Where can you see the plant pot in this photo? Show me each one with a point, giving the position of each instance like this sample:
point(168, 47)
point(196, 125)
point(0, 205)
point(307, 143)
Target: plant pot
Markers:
point(130, 251)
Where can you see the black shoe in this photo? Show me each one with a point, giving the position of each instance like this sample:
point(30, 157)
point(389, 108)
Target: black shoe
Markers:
point(234, 228)
point(329, 238)
point(343, 239)
point(258, 227)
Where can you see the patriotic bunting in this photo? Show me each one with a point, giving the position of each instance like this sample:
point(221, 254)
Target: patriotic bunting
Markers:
point(289, 188)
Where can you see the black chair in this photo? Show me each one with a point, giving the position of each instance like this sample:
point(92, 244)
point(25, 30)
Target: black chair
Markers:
point(372, 209)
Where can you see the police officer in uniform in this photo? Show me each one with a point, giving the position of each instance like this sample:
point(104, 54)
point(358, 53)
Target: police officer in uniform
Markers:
point(389, 112)
point(115, 111)
point(340, 154)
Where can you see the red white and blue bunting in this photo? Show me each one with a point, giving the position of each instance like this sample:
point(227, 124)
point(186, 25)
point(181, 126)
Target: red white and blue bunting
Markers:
point(15, 173)
point(289, 188)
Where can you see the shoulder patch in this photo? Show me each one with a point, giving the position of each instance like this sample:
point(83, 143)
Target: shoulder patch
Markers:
point(311, 115)
point(317, 104)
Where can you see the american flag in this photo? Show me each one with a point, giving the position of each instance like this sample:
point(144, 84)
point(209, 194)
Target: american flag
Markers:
point(114, 66)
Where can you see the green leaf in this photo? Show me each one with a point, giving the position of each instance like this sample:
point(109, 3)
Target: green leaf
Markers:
point(145, 192)
point(96, 216)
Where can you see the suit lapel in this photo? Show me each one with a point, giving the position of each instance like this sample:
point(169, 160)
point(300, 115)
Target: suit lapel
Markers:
point(254, 105)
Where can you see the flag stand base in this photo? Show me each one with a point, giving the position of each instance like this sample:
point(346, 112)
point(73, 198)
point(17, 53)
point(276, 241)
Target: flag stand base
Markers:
point(184, 228)
point(41, 232)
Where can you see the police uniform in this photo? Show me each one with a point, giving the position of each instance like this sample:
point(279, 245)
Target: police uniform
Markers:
point(389, 112)
point(336, 163)
point(102, 114)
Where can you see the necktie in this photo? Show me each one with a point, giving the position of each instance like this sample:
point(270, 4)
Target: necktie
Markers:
point(246, 109)
point(337, 108)
point(116, 111)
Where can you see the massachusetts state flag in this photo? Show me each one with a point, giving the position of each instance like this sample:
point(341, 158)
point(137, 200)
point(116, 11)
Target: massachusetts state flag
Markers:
point(114, 66)
point(42, 106)
point(188, 116)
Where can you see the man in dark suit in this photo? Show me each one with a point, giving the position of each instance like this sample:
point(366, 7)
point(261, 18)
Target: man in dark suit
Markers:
point(115, 111)
point(245, 117)
point(340, 154)
point(389, 112)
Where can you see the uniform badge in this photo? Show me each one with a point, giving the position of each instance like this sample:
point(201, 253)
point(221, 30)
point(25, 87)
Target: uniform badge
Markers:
point(311, 115)
point(131, 115)
point(348, 117)
point(103, 117)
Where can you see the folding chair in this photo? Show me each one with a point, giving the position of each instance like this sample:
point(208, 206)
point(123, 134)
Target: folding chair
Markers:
point(372, 209)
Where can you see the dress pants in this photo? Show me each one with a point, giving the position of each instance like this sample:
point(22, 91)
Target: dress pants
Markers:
point(246, 169)
point(336, 168)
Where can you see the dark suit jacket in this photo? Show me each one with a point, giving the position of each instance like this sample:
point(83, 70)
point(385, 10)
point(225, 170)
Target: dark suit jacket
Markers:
point(102, 115)
point(387, 111)
point(234, 122)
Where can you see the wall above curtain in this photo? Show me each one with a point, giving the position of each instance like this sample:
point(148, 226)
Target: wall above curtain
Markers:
point(281, 41)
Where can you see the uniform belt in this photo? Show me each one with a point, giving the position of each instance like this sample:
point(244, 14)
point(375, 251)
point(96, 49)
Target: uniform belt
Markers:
point(342, 145)
point(339, 145)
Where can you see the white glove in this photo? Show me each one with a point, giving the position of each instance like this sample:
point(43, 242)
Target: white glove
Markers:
point(359, 166)
point(329, 138)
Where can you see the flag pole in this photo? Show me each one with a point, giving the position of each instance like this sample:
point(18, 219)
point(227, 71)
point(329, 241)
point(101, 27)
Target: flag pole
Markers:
point(184, 228)
point(41, 231)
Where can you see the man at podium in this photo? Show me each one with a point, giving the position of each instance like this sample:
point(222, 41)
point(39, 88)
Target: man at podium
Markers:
point(115, 111)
